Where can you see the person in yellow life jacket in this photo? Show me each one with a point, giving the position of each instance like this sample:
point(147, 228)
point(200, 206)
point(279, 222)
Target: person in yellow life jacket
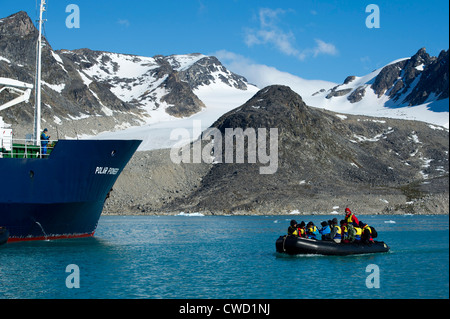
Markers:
point(336, 231)
point(293, 230)
point(358, 234)
point(366, 236)
point(311, 231)
point(344, 229)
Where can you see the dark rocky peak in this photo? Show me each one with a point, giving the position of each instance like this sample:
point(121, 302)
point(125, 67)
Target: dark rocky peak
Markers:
point(441, 64)
point(278, 107)
point(18, 37)
point(271, 104)
point(206, 71)
point(18, 24)
point(443, 57)
point(276, 96)
point(434, 80)
point(421, 57)
point(415, 65)
point(429, 75)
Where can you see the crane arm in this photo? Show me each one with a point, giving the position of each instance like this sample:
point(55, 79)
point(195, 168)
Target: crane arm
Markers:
point(21, 88)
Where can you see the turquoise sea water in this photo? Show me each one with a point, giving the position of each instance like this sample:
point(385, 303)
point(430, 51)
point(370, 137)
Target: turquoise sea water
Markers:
point(221, 257)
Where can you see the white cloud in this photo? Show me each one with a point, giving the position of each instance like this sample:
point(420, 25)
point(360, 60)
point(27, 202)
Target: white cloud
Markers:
point(366, 62)
point(124, 22)
point(201, 8)
point(263, 75)
point(269, 17)
point(324, 48)
point(269, 33)
point(281, 40)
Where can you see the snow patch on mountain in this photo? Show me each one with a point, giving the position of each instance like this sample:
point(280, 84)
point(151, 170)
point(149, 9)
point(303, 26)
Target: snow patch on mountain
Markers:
point(219, 99)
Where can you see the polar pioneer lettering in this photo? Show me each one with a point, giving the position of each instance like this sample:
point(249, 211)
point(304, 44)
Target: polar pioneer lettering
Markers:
point(99, 170)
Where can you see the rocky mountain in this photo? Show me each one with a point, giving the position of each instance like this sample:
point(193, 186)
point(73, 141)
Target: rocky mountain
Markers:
point(324, 160)
point(406, 88)
point(415, 80)
point(87, 92)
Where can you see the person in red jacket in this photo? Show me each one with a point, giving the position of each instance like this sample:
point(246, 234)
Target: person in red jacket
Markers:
point(350, 218)
point(302, 230)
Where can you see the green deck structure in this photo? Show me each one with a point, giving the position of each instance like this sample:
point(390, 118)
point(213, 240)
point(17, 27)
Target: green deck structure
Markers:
point(25, 151)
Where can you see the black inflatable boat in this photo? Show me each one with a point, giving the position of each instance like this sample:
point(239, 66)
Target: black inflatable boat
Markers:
point(4, 235)
point(295, 245)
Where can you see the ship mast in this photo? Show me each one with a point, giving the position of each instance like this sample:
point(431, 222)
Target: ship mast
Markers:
point(37, 109)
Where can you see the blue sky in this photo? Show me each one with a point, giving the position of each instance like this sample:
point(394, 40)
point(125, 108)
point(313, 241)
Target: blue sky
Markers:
point(326, 40)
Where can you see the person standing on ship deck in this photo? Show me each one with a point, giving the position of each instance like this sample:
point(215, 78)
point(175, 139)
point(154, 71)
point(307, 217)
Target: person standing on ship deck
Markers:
point(44, 142)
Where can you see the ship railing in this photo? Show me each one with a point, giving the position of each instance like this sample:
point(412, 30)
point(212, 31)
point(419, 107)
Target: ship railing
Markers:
point(25, 148)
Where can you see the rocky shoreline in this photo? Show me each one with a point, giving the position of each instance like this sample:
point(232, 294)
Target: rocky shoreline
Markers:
point(151, 184)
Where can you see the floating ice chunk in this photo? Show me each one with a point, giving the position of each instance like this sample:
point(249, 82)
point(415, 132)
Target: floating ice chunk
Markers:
point(190, 214)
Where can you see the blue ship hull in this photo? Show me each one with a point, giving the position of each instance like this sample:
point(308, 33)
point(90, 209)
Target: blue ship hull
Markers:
point(61, 196)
